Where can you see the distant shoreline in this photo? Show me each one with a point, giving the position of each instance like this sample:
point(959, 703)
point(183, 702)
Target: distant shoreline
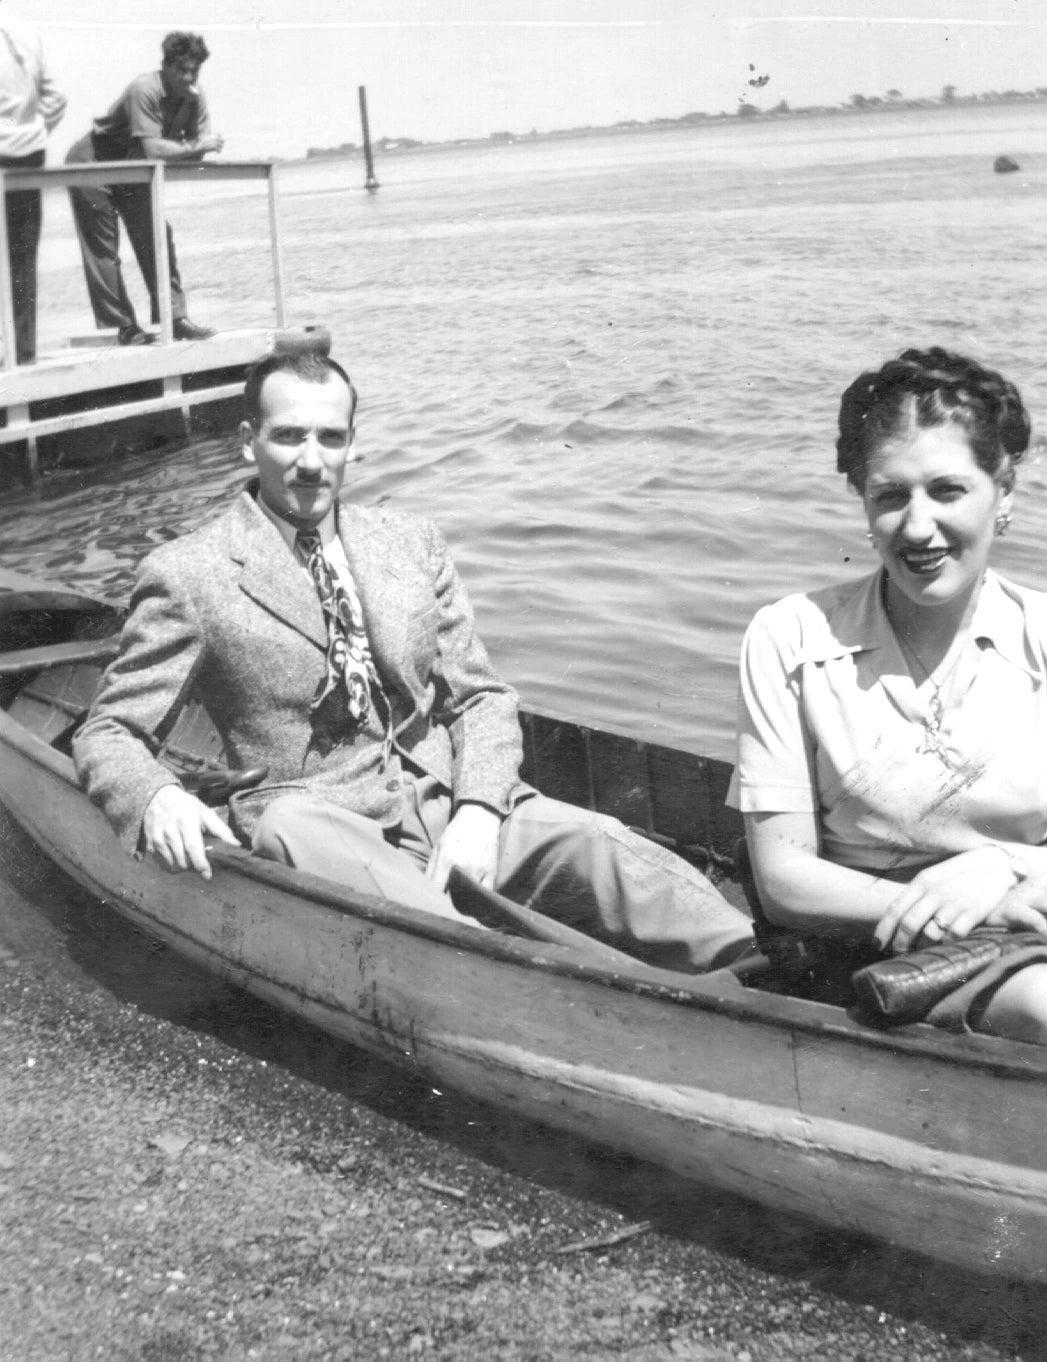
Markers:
point(874, 107)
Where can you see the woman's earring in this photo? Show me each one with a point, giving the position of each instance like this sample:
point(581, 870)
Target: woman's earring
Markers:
point(1003, 520)
point(868, 534)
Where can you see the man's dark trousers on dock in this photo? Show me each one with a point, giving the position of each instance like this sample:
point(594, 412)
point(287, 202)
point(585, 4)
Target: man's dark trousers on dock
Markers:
point(98, 211)
point(23, 238)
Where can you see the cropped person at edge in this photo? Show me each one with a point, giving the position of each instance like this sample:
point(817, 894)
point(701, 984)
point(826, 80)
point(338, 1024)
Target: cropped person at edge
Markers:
point(30, 108)
point(334, 644)
point(892, 729)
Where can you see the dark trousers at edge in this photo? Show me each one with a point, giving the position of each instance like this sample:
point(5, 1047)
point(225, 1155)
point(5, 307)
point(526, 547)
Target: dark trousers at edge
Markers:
point(98, 212)
point(23, 238)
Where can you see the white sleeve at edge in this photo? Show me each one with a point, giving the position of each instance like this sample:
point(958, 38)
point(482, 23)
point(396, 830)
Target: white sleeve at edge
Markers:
point(775, 764)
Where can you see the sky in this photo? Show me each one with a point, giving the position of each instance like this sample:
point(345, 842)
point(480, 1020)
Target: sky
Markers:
point(283, 74)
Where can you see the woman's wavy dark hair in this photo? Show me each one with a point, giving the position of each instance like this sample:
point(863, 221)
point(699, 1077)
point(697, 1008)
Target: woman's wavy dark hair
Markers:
point(926, 388)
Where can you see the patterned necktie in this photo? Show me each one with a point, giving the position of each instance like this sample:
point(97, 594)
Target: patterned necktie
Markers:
point(349, 662)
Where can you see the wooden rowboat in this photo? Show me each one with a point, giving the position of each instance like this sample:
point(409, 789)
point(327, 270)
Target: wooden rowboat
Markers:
point(931, 1141)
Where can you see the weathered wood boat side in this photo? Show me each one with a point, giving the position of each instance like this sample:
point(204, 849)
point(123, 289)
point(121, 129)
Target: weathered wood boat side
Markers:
point(928, 1140)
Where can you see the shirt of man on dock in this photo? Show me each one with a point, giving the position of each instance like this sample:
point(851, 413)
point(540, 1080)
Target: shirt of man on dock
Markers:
point(334, 644)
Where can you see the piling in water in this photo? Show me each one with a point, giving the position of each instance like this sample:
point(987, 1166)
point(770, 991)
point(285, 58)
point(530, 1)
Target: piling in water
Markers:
point(370, 184)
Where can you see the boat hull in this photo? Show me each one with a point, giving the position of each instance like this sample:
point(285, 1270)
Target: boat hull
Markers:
point(931, 1142)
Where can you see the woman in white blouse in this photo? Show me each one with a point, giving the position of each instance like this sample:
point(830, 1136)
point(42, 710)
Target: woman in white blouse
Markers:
point(892, 747)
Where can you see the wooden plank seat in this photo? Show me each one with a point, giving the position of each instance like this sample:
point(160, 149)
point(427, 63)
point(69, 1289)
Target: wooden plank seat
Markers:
point(18, 661)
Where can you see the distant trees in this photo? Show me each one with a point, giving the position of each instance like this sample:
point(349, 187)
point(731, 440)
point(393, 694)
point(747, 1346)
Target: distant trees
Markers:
point(895, 96)
point(344, 149)
point(856, 103)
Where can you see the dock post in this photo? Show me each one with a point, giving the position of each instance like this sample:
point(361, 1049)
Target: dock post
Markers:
point(7, 310)
point(163, 264)
point(276, 248)
point(370, 184)
point(32, 458)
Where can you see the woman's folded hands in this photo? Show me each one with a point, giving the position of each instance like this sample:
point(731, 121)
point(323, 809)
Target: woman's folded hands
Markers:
point(947, 901)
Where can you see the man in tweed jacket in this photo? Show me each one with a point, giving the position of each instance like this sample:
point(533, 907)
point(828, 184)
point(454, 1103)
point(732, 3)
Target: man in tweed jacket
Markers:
point(428, 778)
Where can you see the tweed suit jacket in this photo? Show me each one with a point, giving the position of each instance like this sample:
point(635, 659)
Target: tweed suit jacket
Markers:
point(226, 612)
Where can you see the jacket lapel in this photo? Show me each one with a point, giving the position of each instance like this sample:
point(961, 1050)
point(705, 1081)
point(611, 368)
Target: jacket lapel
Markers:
point(378, 584)
point(269, 575)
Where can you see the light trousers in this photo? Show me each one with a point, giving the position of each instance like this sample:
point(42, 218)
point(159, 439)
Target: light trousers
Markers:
point(584, 869)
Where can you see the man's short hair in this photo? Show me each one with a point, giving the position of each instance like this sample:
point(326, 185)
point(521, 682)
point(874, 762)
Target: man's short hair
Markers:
point(179, 46)
point(310, 366)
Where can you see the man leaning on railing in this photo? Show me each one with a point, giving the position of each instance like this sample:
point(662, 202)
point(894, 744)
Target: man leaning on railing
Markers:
point(30, 107)
point(160, 116)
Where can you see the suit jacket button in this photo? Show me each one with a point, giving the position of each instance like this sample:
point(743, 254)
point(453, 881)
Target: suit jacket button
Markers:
point(392, 784)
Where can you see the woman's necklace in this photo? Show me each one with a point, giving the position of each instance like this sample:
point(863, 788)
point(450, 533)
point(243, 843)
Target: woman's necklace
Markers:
point(933, 742)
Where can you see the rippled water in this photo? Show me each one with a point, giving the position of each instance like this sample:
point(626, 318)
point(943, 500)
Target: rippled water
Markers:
point(609, 369)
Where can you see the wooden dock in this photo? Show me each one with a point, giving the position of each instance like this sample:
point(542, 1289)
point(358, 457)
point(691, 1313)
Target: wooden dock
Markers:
point(81, 404)
point(76, 406)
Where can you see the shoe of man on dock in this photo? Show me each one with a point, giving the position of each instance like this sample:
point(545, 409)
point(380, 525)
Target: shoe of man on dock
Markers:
point(160, 116)
point(333, 645)
point(184, 330)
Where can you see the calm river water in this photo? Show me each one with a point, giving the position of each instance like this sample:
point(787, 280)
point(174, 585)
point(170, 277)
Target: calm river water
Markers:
point(609, 368)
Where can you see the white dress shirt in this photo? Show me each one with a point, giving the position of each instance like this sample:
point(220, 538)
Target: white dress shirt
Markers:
point(333, 550)
point(30, 105)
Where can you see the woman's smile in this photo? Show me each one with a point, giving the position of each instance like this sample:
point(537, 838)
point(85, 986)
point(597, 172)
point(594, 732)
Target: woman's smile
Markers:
point(924, 562)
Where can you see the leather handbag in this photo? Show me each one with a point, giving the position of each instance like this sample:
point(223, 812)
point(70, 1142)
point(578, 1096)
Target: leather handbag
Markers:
point(904, 988)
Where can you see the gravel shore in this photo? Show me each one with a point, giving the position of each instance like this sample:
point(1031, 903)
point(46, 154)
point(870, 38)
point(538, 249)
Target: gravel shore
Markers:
point(185, 1174)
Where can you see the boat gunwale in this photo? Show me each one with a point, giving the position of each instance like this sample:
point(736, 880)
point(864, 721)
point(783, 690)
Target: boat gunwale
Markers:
point(17, 600)
point(699, 992)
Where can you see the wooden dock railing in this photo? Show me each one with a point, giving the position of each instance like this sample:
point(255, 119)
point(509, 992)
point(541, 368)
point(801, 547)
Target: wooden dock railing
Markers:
point(155, 174)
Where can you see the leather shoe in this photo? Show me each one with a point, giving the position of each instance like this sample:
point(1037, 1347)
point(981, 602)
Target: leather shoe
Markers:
point(134, 335)
point(184, 329)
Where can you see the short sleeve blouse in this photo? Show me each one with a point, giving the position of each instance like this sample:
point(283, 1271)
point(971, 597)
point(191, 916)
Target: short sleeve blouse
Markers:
point(830, 722)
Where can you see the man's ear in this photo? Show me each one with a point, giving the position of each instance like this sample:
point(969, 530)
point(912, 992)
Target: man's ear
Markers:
point(247, 440)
